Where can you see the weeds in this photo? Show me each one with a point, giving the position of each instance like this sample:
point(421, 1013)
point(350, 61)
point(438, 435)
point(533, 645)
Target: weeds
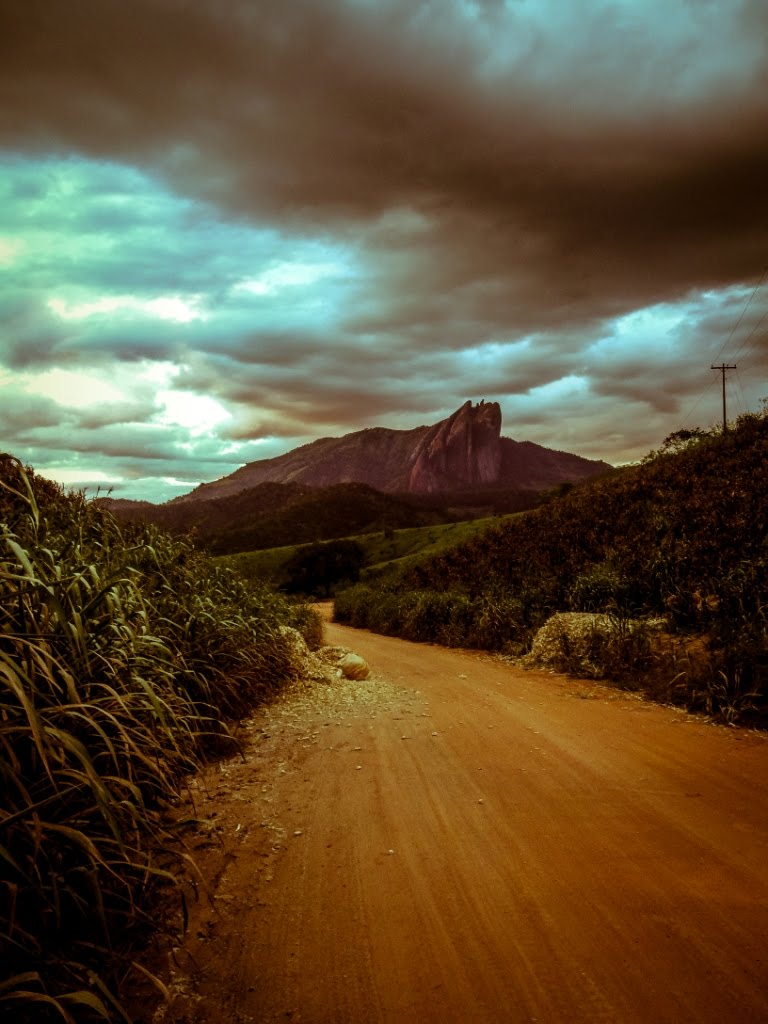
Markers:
point(727, 697)
point(122, 656)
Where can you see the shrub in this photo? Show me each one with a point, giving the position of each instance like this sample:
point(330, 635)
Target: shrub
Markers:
point(595, 646)
point(316, 569)
point(599, 589)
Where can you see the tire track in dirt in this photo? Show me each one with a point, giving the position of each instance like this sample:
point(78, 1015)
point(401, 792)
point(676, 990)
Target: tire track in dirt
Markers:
point(458, 840)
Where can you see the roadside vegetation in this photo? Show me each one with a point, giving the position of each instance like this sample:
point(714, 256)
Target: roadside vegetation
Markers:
point(124, 654)
point(663, 566)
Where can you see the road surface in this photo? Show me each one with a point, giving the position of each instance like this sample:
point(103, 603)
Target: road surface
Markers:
point(457, 840)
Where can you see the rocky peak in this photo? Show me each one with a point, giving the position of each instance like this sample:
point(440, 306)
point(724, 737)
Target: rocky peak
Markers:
point(461, 451)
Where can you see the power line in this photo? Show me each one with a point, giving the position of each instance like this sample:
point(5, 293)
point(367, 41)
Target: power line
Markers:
point(727, 342)
point(747, 340)
point(741, 393)
point(705, 391)
point(745, 348)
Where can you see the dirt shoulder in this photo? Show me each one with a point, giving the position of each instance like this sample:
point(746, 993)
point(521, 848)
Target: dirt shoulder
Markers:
point(458, 840)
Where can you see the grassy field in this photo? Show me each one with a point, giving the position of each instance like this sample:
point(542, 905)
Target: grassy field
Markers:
point(382, 550)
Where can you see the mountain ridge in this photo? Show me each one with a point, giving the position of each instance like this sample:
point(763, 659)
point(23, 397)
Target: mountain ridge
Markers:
point(464, 450)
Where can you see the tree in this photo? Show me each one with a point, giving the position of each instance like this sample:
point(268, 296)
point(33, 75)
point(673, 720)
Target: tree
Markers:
point(315, 569)
point(680, 441)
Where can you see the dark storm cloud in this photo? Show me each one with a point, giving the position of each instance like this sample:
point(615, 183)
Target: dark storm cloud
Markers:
point(284, 405)
point(31, 334)
point(125, 450)
point(601, 163)
point(31, 412)
point(37, 339)
point(117, 428)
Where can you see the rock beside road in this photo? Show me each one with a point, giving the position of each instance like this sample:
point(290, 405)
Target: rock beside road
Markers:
point(327, 663)
point(352, 666)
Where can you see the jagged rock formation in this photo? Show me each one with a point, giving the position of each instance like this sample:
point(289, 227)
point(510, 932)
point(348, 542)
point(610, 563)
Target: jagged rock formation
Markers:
point(461, 452)
point(464, 451)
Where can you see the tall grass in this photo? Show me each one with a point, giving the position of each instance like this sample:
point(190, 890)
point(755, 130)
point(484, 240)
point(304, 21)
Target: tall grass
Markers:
point(123, 654)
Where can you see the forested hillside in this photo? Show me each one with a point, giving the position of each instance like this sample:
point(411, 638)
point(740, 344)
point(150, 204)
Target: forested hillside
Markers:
point(273, 515)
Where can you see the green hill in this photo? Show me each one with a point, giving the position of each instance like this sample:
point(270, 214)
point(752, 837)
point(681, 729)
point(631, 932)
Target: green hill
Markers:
point(383, 551)
point(276, 514)
point(320, 514)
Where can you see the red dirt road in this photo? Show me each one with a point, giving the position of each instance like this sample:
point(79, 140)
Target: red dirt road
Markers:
point(462, 841)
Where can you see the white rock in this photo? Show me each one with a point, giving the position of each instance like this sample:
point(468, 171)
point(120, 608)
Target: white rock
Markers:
point(354, 667)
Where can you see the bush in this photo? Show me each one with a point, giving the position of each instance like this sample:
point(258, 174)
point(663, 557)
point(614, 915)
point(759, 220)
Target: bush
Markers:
point(599, 589)
point(594, 646)
point(317, 569)
point(450, 618)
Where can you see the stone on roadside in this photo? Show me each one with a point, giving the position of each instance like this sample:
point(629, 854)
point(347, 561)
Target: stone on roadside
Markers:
point(354, 667)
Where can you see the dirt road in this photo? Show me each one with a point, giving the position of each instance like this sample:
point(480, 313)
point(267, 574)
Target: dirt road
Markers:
point(458, 841)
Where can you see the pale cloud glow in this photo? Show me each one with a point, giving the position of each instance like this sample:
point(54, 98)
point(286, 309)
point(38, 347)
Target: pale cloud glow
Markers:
point(160, 373)
point(198, 414)
point(9, 250)
point(290, 276)
point(183, 485)
point(74, 390)
point(74, 477)
point(165, 307)
point(171, 307)
point(649, 322)
point(559, 390)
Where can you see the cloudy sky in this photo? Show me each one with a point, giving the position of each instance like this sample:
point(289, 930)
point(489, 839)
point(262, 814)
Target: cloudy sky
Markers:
point(228, 228)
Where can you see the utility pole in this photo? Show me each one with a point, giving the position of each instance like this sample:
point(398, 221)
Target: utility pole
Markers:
point(722, 368)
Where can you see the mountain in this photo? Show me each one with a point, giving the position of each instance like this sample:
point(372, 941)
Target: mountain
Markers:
point(462, 452)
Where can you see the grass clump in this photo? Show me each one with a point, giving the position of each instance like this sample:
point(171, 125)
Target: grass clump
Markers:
point(123, 655)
